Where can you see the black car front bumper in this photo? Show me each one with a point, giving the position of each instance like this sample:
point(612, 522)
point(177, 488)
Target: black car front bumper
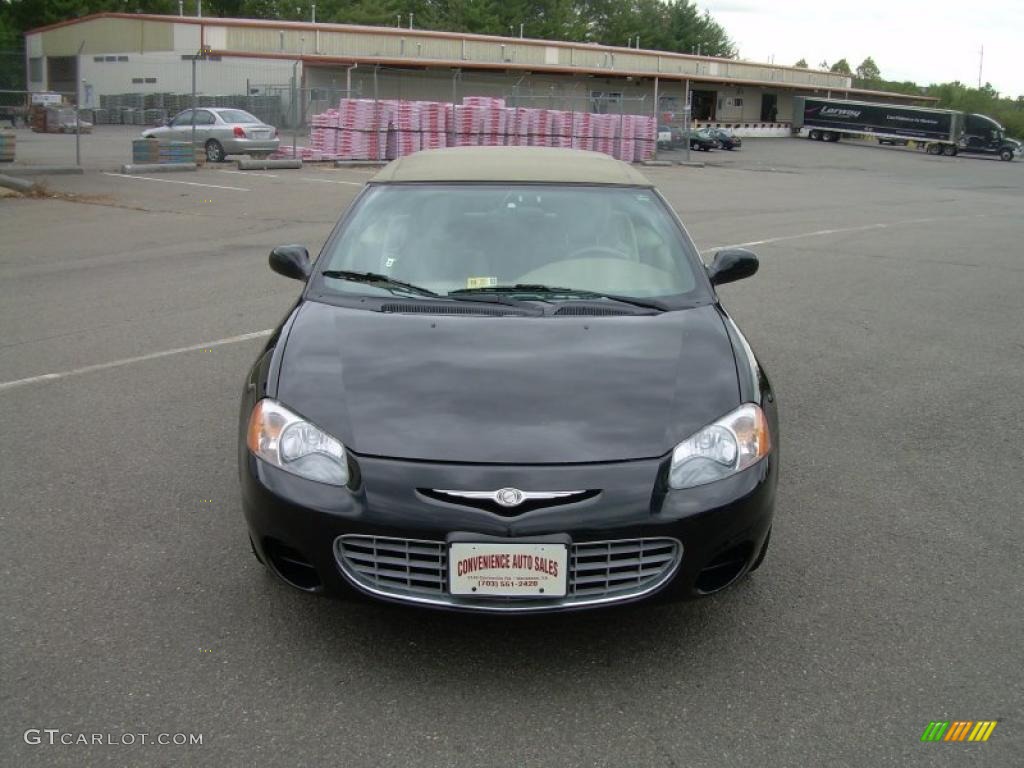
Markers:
point(297, 526)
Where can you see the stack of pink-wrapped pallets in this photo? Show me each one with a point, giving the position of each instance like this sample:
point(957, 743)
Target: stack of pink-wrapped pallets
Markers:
point(364, 129)
point(479, 121)
point(433, 124)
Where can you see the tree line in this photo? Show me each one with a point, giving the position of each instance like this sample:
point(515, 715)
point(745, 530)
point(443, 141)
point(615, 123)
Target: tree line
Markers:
point(668, 25)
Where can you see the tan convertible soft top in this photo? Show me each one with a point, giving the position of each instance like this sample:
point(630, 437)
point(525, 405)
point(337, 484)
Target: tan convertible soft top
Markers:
point(511, 164)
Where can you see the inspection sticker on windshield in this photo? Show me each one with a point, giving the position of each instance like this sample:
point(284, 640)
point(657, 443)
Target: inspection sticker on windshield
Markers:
point(507, 569)
point(481, 282)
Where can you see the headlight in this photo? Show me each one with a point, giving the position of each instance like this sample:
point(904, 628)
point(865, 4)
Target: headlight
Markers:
point(287, 441)
point(729, 445)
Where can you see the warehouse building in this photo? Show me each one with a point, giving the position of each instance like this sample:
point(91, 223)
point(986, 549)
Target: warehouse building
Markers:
point(304, 67)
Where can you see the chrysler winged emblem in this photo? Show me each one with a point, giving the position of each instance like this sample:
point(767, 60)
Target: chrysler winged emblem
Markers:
point(509, 497)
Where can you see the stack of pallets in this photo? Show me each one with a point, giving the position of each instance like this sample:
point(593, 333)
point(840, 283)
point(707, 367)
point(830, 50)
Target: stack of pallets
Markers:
point(7, 143)
point(364, 129)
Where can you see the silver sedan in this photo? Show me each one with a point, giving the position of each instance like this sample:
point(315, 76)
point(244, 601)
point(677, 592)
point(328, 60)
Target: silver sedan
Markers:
point(221, 132)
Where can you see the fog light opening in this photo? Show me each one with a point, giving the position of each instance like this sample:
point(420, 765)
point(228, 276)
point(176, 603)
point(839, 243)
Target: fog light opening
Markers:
point(292, 566)
point(723, 569)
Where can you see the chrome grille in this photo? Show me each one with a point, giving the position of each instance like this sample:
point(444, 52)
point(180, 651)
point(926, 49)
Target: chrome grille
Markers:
point(416, 571)
point(397, 566)
point(598, 569)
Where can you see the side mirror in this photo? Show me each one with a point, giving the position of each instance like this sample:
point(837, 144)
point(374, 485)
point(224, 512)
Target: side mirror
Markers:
point(291, 261)
point(732, 264)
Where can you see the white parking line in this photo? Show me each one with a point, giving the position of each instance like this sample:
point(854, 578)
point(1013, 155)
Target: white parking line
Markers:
point(299, 178)
point(819, 233)
point(175, 181)
point(332, 181)
point(129, 360)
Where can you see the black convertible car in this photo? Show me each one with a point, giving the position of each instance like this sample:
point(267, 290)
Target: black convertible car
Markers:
point(508, 385)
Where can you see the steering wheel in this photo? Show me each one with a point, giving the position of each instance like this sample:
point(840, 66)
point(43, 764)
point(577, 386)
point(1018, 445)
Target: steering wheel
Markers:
point(602, 250)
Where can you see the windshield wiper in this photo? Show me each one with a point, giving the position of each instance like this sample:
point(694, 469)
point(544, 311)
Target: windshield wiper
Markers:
point(372, 278)
point(517, 288)
point(635, 301)
point(577, 292)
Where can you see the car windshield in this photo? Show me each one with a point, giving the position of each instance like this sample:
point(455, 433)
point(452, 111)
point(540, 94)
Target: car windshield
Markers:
point(236, 116)
point(454, 237)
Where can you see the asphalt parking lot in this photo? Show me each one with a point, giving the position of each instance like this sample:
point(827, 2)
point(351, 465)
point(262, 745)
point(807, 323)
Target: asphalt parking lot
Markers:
point(888, 311)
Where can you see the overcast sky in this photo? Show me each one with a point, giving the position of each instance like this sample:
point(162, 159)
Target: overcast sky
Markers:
point(922, 40)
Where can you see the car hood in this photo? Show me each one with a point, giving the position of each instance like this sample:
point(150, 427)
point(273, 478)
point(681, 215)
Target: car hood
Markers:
point(508, 389)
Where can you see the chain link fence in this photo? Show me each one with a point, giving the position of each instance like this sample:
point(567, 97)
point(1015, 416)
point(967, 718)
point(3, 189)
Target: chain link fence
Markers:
point(403, 108)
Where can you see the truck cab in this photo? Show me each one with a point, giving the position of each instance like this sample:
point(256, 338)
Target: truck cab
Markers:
point(984, 136)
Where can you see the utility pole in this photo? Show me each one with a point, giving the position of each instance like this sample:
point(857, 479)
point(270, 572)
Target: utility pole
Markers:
point(981, 60)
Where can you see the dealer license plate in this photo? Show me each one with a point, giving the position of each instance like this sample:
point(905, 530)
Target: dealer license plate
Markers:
point(527, 570)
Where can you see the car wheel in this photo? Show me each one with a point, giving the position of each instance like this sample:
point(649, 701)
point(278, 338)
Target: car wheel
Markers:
point(214, 151)
point(949, 150)
point(1006, 154)
point(815, 135)
point(761, 555)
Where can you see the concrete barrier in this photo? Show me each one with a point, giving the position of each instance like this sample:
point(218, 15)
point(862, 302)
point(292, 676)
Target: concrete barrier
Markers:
point(268, 165)
point(749, 130)
point(157, 167)
point(18, 185)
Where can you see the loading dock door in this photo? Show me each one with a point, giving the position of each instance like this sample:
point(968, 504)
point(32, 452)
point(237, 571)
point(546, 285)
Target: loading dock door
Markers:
point(62, 74)
point(704, 103)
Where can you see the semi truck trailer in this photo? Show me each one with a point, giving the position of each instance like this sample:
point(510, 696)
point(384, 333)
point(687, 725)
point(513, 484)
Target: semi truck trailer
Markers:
point(941, 131)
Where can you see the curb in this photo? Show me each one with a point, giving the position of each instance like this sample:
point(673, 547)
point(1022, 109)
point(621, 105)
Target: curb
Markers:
point(691, 163)
point(44, 170)
point(656, 163)
point(267, 165)
point(158, 167)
